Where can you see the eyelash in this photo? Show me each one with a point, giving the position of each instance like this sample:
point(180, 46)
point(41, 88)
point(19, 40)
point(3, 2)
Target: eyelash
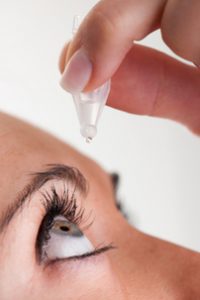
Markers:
point(66, 206)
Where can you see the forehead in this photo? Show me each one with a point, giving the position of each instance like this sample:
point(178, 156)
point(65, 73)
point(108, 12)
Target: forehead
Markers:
point(25, 149)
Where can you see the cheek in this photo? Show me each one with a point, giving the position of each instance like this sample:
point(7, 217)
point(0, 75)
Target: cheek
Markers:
point(91, 278)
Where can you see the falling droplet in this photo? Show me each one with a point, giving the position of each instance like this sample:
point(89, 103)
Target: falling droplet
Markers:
point(88, 140)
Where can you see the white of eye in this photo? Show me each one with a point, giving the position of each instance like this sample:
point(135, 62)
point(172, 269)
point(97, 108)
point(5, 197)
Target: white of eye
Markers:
point(63, 243)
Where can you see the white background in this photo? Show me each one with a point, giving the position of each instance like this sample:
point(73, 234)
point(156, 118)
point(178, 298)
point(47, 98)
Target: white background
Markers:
point(159, 161)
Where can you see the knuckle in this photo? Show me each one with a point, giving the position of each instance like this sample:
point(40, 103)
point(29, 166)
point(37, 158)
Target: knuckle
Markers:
point(102, 26)
point(180, 31)
point(170, 34)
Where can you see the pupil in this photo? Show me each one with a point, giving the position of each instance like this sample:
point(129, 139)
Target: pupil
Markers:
point(64, 228)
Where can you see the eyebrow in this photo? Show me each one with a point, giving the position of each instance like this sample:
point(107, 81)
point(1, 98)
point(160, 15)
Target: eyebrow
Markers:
point(38, 179)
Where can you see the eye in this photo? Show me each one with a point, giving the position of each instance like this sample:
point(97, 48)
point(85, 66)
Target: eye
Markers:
point(59, 236)
point(65, 240)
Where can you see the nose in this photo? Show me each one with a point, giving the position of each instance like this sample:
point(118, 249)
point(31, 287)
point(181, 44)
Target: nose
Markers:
point(150, 268)
point(127, 257)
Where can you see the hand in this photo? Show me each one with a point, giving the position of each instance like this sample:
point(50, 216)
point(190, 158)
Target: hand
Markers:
point(144, 81)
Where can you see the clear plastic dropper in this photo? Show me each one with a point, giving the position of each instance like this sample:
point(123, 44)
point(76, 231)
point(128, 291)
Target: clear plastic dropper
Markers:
point(89, 106)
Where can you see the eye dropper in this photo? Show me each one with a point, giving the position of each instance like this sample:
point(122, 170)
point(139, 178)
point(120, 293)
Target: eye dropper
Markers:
point(89, 106)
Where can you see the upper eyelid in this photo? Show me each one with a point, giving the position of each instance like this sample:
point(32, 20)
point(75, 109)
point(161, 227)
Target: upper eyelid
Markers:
point(54, 171)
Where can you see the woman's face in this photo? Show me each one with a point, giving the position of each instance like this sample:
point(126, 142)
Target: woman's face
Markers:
point(62, 237)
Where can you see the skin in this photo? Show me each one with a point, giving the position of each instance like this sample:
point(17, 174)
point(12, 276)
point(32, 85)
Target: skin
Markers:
point(141, 266)
point(144, 81)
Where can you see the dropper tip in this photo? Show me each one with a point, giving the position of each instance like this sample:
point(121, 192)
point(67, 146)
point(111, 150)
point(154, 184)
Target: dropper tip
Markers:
point(88, 132)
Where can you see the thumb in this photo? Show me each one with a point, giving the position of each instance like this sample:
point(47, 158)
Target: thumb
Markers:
point(152, 83)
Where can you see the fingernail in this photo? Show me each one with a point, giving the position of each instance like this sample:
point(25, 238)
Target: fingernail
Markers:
point(77, 72)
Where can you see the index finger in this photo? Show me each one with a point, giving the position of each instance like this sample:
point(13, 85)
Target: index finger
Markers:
point(107, 34)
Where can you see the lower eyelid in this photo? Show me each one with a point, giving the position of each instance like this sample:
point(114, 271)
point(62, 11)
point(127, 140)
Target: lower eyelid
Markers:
point(86, 256)
point(81, 276)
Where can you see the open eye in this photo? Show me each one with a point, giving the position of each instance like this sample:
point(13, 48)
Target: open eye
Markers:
point(59, 236)
point(65, 240)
